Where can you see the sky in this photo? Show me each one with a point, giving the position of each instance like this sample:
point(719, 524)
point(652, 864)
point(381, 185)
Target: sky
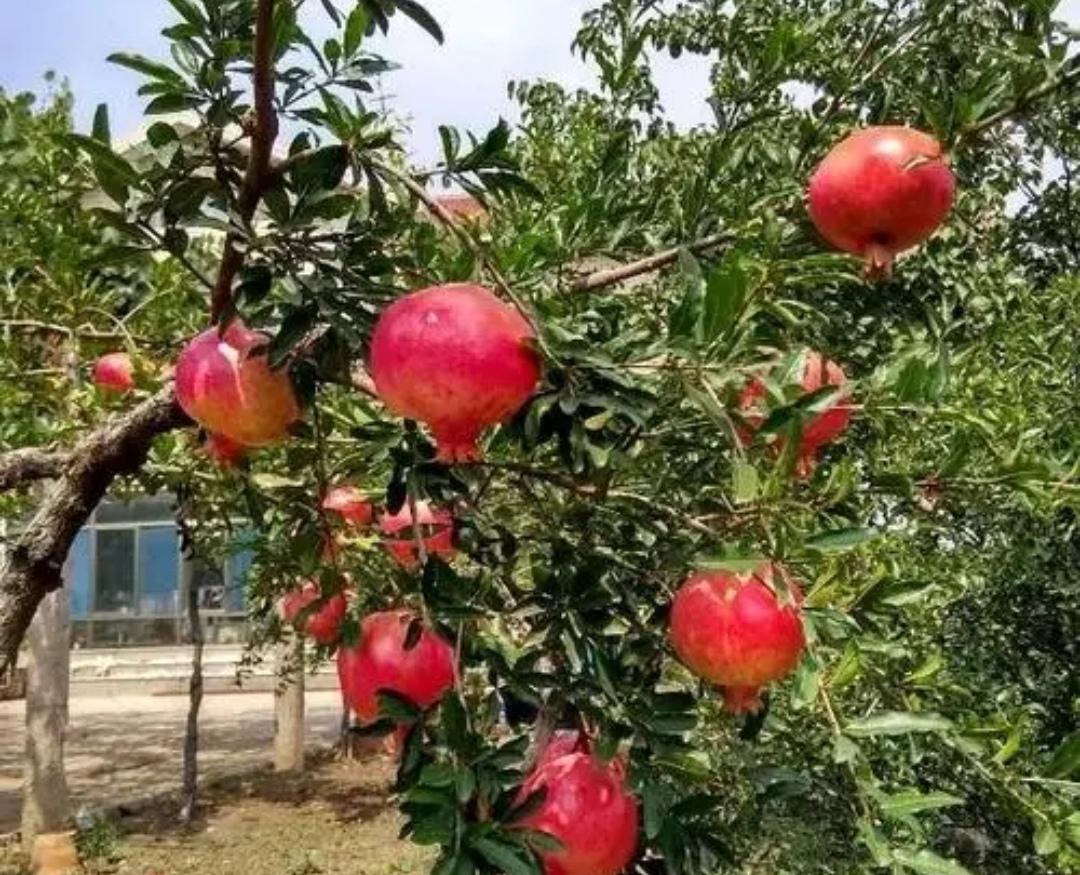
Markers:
point(463, 82)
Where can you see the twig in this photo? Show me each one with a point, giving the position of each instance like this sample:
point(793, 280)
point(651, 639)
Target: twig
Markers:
point(1070, 75)
point(52, 328)
point(602, 279)
point(264, 133)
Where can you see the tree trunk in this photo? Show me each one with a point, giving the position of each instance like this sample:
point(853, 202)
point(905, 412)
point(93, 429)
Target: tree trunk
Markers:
point(289, 706)
point(46, 803)
point(190, 766)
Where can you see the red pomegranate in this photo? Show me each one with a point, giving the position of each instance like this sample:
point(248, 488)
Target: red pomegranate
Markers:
point(350, 504)
point(224, 382)
point(818, 432)
point(380, 662)
point(587, 808)
point(437, 530)
point(224, 452)
point(881, 191)
point(732, 630)
point(323, 624)
point(114, 373)
point(456, 358)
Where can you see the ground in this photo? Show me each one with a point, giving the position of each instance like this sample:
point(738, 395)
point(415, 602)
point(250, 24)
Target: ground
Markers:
point(335, 819)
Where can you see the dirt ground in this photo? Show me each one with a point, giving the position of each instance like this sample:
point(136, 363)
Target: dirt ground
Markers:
point(121, 748)
point(334, 820)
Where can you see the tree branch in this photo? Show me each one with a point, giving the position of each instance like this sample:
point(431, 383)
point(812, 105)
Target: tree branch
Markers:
point(264, 131)
point(602, 279)
point(1069, 75)
point(24, 466)
point(33, 564)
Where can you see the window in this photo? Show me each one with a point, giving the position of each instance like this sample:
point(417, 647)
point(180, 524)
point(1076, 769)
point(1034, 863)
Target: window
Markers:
point(159, 571)
point(114, 571)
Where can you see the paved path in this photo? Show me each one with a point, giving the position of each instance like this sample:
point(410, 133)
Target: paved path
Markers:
point(125, 747)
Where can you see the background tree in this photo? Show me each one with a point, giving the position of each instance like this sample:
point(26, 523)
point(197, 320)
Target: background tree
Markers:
point(626, 469)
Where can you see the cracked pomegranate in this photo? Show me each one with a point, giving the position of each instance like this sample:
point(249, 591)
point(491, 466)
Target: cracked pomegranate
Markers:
point(321, 621)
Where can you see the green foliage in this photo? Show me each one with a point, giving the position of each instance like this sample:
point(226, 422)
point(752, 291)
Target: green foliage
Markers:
point(931, 726)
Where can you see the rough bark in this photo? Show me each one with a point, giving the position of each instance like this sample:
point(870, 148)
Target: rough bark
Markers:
point(26, 466)
point(189, 769)
point(289, 706)
point(46, 802)
point(32, 566)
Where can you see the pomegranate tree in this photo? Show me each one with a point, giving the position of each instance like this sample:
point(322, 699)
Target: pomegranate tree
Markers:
point(881, 191)
point(350, 504)
point(456, 358)
point(736, 631)
point(381, 661)
point(114, 373)
point(225, 383)
point(437, 533)
point(821, 429)
point(586, 806)
point(320, 620)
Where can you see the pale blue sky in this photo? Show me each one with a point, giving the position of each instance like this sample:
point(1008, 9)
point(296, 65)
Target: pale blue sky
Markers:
point(463, 82)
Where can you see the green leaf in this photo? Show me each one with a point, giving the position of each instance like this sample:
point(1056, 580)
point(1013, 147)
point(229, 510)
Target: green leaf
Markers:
point(454, 722)
point(320, 170)
point(144, 65)
point(172, 102)
point(735, 564)
point(725, 297)
point(509, 859)
point(908, 802)
point(422, 17)
point(744, 482)
point(897, 723)
point(100, 130)
point(1046, 839)
point(355, 28)
point(840, 540)
point(396, 707)
point(926, 862)
point(186, 198)
point(1066, 760)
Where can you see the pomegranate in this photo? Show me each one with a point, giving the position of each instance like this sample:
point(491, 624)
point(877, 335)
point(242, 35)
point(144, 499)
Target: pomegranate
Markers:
point(227, 386)
point(881, 191)
point(456, 358)
point(224, 452)
point(350, 504)
point(818, 432)
point(587, 808)
point(732, 630)
point(321, 619)
point(114, 373)
point(437, 529)
point(380, 662)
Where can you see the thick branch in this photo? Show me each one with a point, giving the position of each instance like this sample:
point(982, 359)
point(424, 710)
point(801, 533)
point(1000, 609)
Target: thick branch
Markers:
point(264, 130)
point(602, 279)
point(32, 565)
point(25, 466)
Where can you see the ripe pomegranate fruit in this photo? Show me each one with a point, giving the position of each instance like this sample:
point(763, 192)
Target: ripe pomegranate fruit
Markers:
point(226, 385)
point(587, 808)
point(881, 191)
point(437, 529)
point(732, 630)
point(457, 358)
point(818, 432)
point(114, 373)
point(380, 662)
point(350, 504)
point(322, 624)
point(224, 452)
